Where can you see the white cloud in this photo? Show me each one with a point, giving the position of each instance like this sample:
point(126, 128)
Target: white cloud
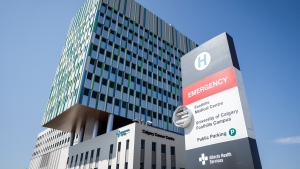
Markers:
point(289, 140)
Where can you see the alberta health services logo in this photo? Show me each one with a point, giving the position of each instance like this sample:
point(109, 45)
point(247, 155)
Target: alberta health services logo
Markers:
point(213, 159)
point(202, 61)
point(122, 133)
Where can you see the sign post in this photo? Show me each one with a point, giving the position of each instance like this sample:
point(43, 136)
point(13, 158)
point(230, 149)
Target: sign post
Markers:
point(215, 113)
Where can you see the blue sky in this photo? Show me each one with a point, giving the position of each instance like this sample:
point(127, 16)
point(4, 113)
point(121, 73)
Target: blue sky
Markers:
point(267, 41)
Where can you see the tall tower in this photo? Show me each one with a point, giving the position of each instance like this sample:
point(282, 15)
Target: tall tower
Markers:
point(120, 62)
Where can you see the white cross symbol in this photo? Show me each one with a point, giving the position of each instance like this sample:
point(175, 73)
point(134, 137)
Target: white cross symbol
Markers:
point(203, 158)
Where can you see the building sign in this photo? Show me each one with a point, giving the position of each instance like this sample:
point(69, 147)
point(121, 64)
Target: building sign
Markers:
point(122, 133)
point(218, 130)
point(182, 116)
point(149, 133)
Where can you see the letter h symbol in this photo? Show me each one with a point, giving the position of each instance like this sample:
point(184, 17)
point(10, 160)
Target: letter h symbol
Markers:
point(201, 60)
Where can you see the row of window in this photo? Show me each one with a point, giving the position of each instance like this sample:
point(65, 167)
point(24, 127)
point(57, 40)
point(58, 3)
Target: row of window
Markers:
point(163, 153)
point(163, 69)
point(133, 74)
point(123, 93)
point(111, 18)
point(86, 155)
point(82, 159)
point(139, 45)
point(138, 85)
point(128, 39)
point(154, 63)
point(50, 140)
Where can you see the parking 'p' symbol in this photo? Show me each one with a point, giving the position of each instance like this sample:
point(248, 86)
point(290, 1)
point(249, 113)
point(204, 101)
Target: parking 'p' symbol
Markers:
point(232, 132)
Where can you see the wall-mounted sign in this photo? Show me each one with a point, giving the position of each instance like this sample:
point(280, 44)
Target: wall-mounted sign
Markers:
point(122, 133)
point(149, 133)
point(182, 117)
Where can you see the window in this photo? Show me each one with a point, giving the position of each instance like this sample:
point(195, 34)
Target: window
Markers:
point(126, 165)
point(127, 144)
point(153, 146)
point(81, 157)
point(119, 146)
point(89, 76)
point(163, 149)
point(141, 165)
point(111, 151)
point(172, 150)
point(86, 155)
point(71, 161)
point(76, 159)
point(97, 154)
point(153, 166)
point(142, 144)
point(94, 95)
point(92, 154)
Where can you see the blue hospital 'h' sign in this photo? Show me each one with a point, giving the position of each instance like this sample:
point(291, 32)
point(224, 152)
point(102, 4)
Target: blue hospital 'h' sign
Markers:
point(201, 60)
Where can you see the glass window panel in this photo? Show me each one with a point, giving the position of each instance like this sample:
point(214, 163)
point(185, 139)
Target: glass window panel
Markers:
point(115, 64)
point(111, 37)
point(120, 19)
point(96, 86)
point(131, 25)
point(119, 29)
point(84, 100)
point(114, 16)
point(103, 9)
point(124, 33)
point(116, 109)
point(107, 22)
point(108, 12)
point(117, 40)
point(87, 83)
point(123, 43)
point(109, 47)
point(130, 114)
point(129, 45)
point(92, 103)
point(116, 51)
point(103, 44)
point(126, 22)
point(103, 89)
point(111, 92)
point(124, 96)
point(107, 60)
point(112, 77)
point(113, 26)
point(118, 94)
point(109, 107)
point(123, 112)
point(136, 115)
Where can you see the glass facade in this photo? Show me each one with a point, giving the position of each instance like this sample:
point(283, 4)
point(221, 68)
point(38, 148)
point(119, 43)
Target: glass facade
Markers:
point(122, 59)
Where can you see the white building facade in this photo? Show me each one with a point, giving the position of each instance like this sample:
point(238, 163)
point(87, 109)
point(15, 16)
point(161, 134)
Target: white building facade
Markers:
point(51, 149)
point(132, 146)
